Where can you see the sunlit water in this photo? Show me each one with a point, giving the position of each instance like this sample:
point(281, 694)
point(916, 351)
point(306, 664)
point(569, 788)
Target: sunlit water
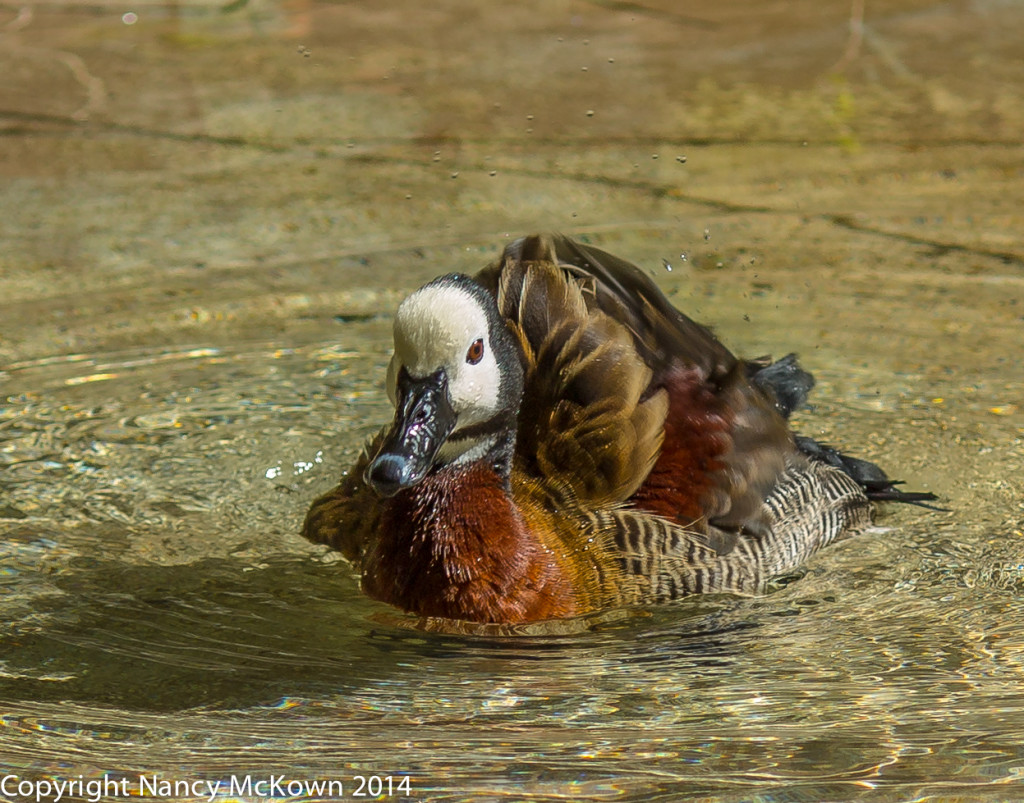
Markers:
point(210, 210)
point(162, 615)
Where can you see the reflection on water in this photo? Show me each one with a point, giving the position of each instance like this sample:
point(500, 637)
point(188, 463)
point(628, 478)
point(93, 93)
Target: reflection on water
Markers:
point(209, 212)
point(163, 615)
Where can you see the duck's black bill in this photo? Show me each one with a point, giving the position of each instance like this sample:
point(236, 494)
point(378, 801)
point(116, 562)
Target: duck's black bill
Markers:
point(423, 421)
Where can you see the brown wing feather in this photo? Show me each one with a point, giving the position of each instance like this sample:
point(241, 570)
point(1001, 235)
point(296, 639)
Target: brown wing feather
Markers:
point(587, 422)
point(628, 294)
point(728, 471)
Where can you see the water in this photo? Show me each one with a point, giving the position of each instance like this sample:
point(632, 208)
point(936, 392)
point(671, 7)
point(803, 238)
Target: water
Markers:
point(196, 282)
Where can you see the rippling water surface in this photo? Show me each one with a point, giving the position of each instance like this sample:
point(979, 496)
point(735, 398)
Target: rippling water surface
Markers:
point(162, 615)
point(196, 283)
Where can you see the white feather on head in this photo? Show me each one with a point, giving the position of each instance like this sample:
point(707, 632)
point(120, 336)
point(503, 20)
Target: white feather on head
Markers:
point(435, 328)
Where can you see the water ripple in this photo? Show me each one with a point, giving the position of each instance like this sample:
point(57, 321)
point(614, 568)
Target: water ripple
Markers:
point(162, 614)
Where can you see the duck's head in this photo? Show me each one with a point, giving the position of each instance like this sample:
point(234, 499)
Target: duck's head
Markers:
point(456, 381)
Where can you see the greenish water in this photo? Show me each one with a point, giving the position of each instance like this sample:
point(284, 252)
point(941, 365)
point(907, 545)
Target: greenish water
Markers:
point(198, 267)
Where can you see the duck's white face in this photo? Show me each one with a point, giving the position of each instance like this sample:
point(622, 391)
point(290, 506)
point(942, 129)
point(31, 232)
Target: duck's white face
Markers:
point(456, 383)
point(445, 327)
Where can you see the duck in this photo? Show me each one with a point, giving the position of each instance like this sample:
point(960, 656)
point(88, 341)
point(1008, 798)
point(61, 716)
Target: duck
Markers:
point(566, 441)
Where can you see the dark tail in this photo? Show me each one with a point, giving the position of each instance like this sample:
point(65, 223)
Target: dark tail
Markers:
point(783, 380)
point(871, 478)
point(788, 385)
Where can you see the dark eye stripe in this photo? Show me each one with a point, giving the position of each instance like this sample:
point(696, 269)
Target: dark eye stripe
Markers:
point(476, 352)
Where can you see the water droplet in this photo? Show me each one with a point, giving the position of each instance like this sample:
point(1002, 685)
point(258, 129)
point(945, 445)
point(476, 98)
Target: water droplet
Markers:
point(273, 472)
point(130, 18)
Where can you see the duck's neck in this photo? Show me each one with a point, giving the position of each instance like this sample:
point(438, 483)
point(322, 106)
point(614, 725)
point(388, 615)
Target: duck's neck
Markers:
point(456, 546)
point(491, 443)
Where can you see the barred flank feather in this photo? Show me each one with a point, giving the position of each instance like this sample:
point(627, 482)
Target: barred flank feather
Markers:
point(811, 506)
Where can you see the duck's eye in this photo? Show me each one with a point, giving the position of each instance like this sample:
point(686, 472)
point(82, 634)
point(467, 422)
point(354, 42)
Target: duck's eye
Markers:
point(476, 352)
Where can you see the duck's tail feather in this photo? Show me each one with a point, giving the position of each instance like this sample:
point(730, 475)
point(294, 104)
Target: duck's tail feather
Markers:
point(785, 381)
point(875, 482)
